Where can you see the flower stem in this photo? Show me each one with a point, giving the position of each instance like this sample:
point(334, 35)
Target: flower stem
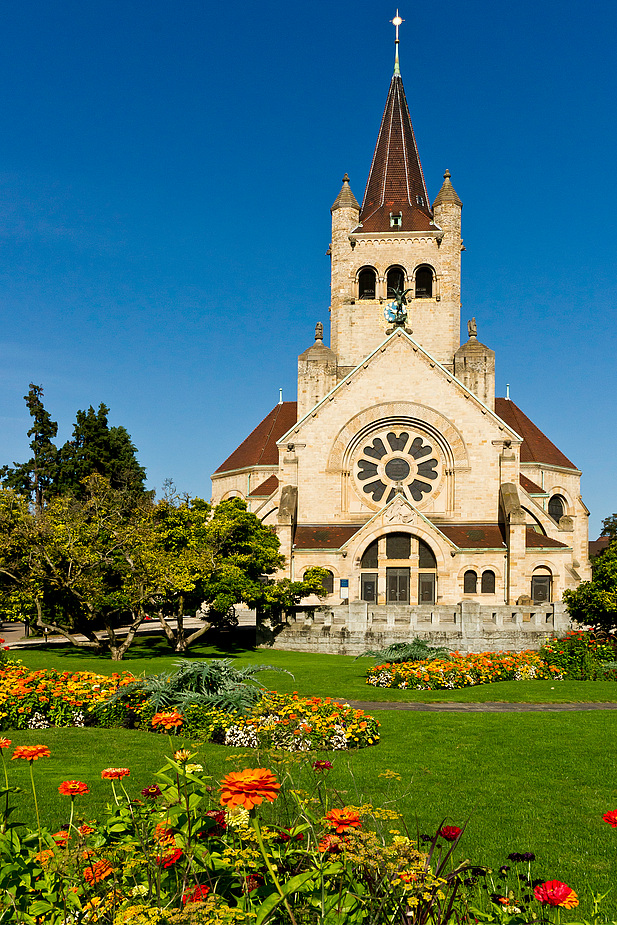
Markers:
point(266, 858)
point(36, 805)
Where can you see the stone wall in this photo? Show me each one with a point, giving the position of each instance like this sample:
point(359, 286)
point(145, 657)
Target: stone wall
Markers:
point(349, 629)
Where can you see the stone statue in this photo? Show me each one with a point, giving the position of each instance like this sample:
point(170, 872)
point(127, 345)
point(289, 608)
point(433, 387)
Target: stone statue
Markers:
point(472, 328)
point(396, 312)
point(319, 331)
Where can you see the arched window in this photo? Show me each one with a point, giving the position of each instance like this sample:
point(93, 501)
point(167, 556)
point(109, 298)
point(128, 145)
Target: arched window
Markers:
point(328, 582)
point(556, 507)
point(395, 280)
point(541, 585)
point(398, 546)
point(470, 582)
point(424, 282)
point(367, 282)
point(369, 559)
point(488, 582)
point(426, 558)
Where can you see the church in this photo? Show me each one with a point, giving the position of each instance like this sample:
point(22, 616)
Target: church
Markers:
point(438, 509)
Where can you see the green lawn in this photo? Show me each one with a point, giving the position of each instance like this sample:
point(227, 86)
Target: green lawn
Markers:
point(316, 675)
point(526, 781)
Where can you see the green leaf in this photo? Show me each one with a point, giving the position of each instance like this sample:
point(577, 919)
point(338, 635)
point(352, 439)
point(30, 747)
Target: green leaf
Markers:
point(272, 901)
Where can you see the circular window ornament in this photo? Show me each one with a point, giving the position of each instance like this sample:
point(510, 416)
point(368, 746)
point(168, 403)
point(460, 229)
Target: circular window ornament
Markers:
point(397, 460)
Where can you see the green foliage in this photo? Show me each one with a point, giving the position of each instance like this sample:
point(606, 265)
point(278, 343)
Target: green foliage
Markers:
point(416, 651)
point(609, 527)
point(35, 478)
point(594, 603)
point(214, 684)
point(583, 655)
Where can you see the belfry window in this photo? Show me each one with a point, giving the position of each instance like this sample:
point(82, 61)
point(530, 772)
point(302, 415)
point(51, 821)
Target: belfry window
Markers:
point(470, 582)
point(395, 281)
point(367, 282)
point(424, 283)
point(556, 508)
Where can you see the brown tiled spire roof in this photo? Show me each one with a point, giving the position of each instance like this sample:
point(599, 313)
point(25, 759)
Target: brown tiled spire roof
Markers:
point(345, 199)
point(396, 182)
point(536, 447)
point(259, 448)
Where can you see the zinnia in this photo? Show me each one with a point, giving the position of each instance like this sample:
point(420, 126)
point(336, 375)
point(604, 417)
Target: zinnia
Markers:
point(31, 752)
point(611, 818)
point(197, 895)
point(115, 773)
point(342, 820)
point(322, 765)
point(153, 791)
point(98, 871)
point(170, 859)
point(556, 893)
point(450, 832)
point(170, 720)
point(5, 743)
point(249, 788)
point(71, 788)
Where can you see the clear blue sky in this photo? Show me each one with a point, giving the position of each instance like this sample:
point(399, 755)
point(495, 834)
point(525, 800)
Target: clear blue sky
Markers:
point(166, 174)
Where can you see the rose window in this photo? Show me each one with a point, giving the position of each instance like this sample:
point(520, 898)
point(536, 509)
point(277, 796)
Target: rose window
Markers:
point(397, 461)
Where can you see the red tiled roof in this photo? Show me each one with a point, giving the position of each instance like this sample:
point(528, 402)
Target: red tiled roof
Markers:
point(530, 486)
point(597, 546)
point(396, 182)
point(474, 536)
point(536, 446)
point(259, 448)
point(265, 489)
point(535, 540)
point(324, 536)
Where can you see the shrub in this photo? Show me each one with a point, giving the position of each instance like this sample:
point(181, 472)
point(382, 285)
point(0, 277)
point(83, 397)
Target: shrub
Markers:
point(416, 651)
point(583, 655)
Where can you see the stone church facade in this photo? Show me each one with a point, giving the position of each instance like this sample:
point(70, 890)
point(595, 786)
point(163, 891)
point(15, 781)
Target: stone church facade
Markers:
point(438, 509)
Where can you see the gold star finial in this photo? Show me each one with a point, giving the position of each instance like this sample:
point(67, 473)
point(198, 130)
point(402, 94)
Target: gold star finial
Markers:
point(396, 22)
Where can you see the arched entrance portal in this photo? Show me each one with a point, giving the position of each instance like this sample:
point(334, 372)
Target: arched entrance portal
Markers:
point(398, 568)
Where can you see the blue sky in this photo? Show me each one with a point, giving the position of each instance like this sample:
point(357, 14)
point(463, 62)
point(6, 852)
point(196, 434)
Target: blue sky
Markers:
point(166, 173)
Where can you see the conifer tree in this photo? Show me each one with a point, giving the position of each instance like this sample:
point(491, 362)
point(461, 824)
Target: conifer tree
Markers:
point(36, 478)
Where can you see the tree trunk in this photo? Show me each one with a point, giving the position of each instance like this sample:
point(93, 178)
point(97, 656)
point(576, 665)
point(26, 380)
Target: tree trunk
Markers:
point(92, 640)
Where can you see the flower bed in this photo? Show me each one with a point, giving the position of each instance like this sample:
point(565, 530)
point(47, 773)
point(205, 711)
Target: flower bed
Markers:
point(252, 850)
point(463, 671)
point(39, 699)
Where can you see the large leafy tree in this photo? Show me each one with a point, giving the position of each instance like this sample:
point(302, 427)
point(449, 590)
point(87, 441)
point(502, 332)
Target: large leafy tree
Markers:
point(95, 448)
point(594, 603)
point(86, 566)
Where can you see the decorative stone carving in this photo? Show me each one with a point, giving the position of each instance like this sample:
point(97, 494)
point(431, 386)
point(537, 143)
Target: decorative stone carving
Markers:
point(399, 512)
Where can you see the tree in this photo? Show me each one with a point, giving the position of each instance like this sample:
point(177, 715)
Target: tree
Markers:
point(594, 603)
point(35, 477)
point(609, 527)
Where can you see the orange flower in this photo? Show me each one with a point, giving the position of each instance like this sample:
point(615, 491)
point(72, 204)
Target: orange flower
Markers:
point(71, 788)
point(31, 752)
point(163, 834)
point(344, 819)
point(61, 838)
point(330, 843)
point(115, 773)
point(171, 720)
point(249, 788)
point(98, 871)
point(85, 829)
point(44, 856)
point(5, 743)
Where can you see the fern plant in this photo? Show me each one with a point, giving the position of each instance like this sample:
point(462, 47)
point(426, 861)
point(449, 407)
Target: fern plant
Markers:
point(217, 683)
point(416, 651)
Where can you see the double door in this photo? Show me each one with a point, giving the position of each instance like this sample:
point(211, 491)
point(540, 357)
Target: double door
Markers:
point(398, 586)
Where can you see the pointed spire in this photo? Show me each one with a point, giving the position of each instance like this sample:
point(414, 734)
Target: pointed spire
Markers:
point(395, 185)
point(447, 193)
point(345, 199)
point(396, 22)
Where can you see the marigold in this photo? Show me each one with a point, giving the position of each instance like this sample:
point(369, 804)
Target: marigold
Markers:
point(115, 773)
point(31, 752)
point(72, 788)
point(342, 820)
point(249, 788)
point(98, 871)
point(556, 893)
point(170, 720)
point(611, 818)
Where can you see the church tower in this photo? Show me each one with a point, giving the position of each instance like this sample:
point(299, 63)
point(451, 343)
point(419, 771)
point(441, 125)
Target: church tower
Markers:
point(395, 240)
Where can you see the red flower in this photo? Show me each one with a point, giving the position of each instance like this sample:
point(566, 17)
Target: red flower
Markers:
point(5, 743)
point(198, 895)
point(249, 788)
point(342, 820)
point(30, 752)
point(330, 843)
point(556, 893)
point(152, 792)
point(72, 788)
point(611, 818)
point(98, 871)
point(450, 832)
point(170, 859)
point(252, 882)
point(115, 773)
point(322, 765)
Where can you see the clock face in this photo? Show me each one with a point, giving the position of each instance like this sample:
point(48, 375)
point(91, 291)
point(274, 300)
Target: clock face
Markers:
point(397, 460)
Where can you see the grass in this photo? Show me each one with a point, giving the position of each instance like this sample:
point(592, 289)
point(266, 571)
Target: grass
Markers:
point(526, 781)
point(314, 674)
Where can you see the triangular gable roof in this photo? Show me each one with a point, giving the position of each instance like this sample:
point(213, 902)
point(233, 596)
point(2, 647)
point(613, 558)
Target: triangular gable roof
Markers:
point(259, 448)
point(536, 447)
point(399, 332)
point(399, 498)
